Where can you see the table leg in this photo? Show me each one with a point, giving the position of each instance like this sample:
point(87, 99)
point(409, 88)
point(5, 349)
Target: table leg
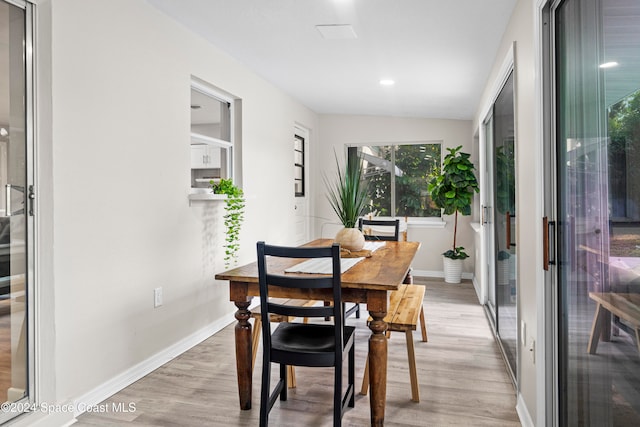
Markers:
point(378, 360)
point(243, 354)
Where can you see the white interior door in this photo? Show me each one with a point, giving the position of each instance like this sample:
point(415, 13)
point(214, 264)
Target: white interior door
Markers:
point(301, 184)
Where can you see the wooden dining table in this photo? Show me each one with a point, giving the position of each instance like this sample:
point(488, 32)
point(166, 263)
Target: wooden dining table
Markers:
point(370, 281)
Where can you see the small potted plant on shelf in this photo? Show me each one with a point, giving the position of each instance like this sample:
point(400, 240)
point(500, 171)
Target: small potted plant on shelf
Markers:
point(234, 215)
point(348, 198)
point(452, 191)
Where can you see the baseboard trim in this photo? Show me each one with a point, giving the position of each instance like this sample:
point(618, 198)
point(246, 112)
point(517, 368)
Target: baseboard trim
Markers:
point(523, 413)
point(437, 274)
point(476, 286)
point(147, 366)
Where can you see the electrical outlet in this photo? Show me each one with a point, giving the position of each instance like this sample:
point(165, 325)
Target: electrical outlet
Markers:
point(157, 297)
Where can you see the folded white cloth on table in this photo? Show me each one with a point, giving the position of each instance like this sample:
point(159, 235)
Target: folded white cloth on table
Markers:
point(322, 265)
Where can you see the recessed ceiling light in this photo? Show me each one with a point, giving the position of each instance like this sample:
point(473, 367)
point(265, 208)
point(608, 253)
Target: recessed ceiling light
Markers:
point(609, 64)
point(337, 31)
point(387, 82)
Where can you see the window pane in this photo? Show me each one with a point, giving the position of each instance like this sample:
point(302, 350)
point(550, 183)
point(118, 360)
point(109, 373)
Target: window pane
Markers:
point(377, 167)
point(414, 163)
point(210, 116)
point(398, 178)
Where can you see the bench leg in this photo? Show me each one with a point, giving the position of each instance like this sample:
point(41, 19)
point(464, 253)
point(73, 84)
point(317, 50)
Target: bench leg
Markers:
point(255, 340)
point(291, 376)
point(365, 379)
point(413, 374)
point(596, 329)
point(423, 325)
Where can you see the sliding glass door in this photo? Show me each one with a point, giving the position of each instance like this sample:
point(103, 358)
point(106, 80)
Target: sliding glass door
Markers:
point(499, 221)
point(597, 143)
point(15, 208)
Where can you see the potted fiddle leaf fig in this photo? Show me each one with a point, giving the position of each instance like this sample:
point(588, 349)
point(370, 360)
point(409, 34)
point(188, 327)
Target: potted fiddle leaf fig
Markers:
point(348, 198)
point(452, 190)
point(234, 215)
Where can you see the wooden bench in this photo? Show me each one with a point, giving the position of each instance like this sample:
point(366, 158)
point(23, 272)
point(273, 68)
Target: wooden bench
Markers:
point(405, 307)
point(257, 330)
point(625, 306)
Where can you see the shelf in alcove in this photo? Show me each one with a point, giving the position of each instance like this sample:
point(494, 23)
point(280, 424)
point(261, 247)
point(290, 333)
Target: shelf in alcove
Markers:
point(207, 196)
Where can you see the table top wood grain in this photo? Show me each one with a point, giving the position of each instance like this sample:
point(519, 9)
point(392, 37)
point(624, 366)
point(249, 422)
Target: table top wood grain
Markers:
point(384, 270)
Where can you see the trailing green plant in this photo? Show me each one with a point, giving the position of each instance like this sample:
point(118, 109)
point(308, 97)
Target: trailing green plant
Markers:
point(234, 215)
point(452, 190)
point(348, 193)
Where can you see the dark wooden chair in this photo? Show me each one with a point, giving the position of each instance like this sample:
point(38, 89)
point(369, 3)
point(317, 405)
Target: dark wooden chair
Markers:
point(304, 344)
point(391, 229)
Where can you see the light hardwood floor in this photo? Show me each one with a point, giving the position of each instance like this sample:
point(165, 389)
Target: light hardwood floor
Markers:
point(462, 376)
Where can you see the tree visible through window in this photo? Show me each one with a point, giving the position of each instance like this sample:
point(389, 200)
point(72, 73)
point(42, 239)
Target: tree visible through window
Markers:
point(397, 176)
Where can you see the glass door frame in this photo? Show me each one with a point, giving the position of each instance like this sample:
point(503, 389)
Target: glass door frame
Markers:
point(30, 241)
point(547, 359)
point(487, 199)
point(548, 349)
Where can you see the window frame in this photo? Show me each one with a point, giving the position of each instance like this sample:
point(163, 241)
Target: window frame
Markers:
point(420, 222)
point(197, 138)
point(301, 166)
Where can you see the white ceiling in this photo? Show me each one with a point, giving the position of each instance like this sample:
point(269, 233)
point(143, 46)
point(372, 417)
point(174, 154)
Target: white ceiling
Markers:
point(439, 52)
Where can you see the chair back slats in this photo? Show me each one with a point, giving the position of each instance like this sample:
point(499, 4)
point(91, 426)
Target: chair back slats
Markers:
point(300, 252)
point(301, 312)
point(296, 282)
point(394, 226)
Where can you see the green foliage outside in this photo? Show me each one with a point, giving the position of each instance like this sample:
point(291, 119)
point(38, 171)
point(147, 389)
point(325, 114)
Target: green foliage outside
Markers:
point(623, 154)
point(505, 179)
point(234, 215)
point(624, 124)
point(624, 175)
point(413, 165)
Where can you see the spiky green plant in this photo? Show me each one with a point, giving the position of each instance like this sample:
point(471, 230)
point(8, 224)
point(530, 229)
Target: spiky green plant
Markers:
point(347, 194)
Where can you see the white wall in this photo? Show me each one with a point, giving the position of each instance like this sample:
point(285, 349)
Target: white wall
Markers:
point(528, 182)
point(120, 96)
point(339, 130)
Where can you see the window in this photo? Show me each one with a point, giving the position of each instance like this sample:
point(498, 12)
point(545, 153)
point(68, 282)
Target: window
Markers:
point(212, 136)
point(298, 165)
point(398, 177)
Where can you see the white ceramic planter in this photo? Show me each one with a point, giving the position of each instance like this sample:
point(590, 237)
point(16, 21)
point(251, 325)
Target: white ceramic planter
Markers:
point(350, 238)
point(502, 272)
point(452, 270)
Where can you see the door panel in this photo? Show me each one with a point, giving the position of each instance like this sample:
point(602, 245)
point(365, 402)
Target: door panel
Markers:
point(301, 185)
point(504, 220)
point(598, 187)
point(499, 221)
point(13, 229)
